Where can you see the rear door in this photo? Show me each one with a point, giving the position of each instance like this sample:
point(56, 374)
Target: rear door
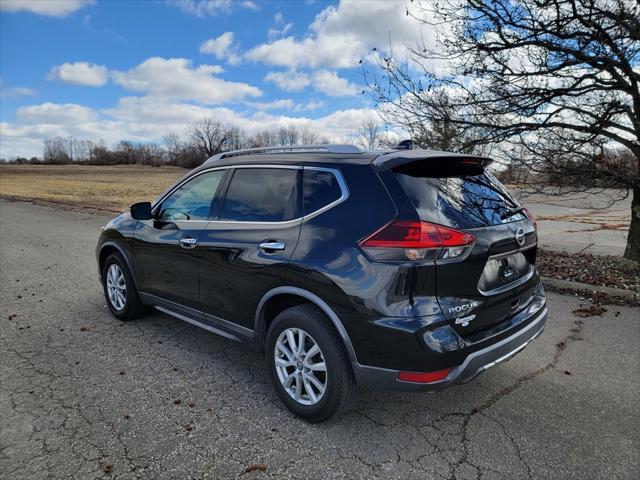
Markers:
point(496, 278)
point(244, 251)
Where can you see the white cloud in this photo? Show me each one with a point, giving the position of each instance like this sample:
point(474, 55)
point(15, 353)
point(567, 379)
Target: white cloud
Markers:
point(55, 114)
point(80, 73)
point(289, 81)
point(332, 85)
point(287, 104)
point(310, 106)
point(249, 5)
point(177, 79)
point(324, 81)
point(340, 36)
point(278, 20)
point(222, 48)
point(52, 8)
point(15, 92)
point(206, 8)
point(146, 119)
point(273, 33)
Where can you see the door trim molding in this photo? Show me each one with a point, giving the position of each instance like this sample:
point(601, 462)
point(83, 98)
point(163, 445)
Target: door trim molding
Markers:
point(196, 317)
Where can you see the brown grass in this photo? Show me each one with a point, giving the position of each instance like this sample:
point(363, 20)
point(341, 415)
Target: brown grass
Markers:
point(109, 188)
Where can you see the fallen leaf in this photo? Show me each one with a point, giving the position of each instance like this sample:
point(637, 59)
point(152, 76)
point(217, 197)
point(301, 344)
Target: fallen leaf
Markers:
point(592, 311)
point(252, 467)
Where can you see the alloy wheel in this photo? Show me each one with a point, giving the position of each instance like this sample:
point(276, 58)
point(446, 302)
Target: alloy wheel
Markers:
point(300, 366)
point(116, 287)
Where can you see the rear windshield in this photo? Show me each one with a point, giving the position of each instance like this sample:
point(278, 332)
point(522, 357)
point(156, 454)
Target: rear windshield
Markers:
point(456, 194)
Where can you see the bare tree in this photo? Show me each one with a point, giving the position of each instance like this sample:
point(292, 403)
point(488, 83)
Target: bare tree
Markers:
point(236, 139)
point(309, 136)
point(288, 135)
point(58, 150)
point(367, 135)
point(264, 138)
point(172, 147)
point(553, 83)
point(209, 136)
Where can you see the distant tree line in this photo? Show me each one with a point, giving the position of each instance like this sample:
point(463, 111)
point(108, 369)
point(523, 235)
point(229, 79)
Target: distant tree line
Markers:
point(203, 139)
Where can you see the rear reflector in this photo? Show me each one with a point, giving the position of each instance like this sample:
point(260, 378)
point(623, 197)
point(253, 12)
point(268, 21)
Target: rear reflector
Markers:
point(424, 377)
point(415, 240)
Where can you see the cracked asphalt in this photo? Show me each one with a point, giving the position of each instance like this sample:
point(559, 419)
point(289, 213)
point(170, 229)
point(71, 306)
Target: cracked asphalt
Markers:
point(83, 395)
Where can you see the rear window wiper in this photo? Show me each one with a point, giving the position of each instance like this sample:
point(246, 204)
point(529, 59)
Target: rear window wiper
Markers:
point(511, 212)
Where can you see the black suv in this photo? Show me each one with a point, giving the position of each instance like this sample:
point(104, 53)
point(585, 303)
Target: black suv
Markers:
point(404, 269)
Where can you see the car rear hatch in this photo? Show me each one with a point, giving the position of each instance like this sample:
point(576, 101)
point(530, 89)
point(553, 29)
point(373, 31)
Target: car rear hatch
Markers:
point(489, 280)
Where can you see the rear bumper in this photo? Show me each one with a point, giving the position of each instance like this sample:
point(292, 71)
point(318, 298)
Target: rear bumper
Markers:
point(474, 363)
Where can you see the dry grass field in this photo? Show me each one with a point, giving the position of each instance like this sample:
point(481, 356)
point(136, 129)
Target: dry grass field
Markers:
point(108, 188)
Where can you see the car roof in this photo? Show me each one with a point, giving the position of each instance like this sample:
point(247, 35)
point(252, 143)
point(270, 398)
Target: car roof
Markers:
point(327, 154)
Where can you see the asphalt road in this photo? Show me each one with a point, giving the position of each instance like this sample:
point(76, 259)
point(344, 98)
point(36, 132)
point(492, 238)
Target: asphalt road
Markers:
point(595, 221)
point(158, 398)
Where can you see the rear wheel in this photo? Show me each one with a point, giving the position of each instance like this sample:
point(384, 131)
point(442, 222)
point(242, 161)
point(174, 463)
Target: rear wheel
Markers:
point(308, 365)
point(119, 289)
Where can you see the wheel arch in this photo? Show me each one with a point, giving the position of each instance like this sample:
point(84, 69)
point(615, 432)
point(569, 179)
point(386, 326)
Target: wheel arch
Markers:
point(109, 247)
point(291, 296)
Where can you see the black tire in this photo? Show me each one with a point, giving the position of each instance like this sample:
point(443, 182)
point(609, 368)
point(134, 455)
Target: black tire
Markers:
point(133, 307)
point(341, 388)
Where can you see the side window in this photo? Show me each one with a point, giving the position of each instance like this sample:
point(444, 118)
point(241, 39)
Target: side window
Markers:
point(320, 189)
point(192, 201)
point(262, 195)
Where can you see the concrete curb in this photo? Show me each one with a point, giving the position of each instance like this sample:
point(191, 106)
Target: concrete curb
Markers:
point(611, 291)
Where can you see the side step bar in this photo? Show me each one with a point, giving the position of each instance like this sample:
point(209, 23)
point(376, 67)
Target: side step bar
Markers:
point(197, 323)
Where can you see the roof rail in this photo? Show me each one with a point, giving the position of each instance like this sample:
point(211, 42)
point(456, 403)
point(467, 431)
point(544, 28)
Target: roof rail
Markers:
point(335, 148)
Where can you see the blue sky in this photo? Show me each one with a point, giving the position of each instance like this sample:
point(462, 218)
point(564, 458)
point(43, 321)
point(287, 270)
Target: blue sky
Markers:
point(136, 70)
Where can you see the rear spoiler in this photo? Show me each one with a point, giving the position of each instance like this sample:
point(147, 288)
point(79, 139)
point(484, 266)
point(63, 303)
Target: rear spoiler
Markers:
point(401, 157)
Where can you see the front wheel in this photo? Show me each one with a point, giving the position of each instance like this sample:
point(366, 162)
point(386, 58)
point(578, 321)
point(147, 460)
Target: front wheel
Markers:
point(307, 364)
point(119, 289)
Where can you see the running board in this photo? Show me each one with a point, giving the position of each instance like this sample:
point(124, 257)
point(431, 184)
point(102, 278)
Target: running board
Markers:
point(197, 323)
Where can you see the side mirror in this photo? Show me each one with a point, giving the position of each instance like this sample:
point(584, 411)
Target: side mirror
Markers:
point(141, 211)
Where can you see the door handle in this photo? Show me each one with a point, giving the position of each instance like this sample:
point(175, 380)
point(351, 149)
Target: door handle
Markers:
point(188, 242)
point(270, 247)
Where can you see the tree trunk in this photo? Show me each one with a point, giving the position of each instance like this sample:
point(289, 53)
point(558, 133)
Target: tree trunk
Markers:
point(632, 252)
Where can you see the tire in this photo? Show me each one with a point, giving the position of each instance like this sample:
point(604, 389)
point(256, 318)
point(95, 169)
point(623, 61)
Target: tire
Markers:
point(340, 389)
point(132, 307)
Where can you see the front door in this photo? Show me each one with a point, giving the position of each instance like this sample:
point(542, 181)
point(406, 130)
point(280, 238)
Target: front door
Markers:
point(165, 249)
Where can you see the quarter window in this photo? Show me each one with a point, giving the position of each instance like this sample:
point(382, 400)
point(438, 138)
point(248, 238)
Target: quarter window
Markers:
point(262, 195)
point(192, 200)
point(320, 189)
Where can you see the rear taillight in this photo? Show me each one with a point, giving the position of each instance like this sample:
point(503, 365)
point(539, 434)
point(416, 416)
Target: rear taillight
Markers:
point(424, 377)
point(416, 240)
point(533, 219)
